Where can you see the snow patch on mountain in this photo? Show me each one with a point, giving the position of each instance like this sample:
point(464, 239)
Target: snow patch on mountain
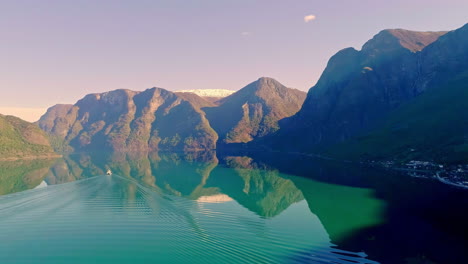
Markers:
point(208, 92)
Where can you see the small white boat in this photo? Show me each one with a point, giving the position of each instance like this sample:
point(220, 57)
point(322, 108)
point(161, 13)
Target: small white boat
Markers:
point(109, 172)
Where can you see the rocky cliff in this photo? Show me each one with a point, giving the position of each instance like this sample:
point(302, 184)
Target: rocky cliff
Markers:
point(253, 111)
point(124, 120)
point(157, 119)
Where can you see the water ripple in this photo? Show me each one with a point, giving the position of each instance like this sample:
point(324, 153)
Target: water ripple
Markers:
point(112, 219)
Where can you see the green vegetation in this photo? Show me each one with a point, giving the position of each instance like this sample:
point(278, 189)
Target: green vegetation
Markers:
point(58, 144)
point(434, 126)
point(19, 139)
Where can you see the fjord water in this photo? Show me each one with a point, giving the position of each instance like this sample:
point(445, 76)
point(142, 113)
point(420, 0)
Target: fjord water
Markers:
point(213, 208)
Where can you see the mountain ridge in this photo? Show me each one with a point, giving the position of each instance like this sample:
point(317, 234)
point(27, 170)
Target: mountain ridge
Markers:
point(126, 120)
point(254, 110)
point(158, 119)
point(411, 40)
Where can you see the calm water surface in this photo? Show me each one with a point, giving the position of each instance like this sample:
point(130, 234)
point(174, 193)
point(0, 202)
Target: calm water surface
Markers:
point(213, 208)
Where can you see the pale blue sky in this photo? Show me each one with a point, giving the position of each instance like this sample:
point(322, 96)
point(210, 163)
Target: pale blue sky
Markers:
point(58, 51)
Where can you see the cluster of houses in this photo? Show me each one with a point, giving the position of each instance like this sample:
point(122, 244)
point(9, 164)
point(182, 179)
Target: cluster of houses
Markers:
point(451, 174)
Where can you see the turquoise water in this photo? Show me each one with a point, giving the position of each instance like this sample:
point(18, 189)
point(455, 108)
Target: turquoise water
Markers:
point(212, 208)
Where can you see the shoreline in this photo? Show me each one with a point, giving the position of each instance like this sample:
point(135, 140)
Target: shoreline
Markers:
point(417, 169)
point(30, 157)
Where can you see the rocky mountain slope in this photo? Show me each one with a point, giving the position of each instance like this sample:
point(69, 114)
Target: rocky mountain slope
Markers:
point(20, 139)
point(359, 90)
point(253, 111)
point(156, 119)
point(132, 121)
point(434, 127)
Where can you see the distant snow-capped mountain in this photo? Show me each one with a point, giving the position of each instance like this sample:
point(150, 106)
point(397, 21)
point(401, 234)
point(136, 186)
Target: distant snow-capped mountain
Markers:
point(208, 92)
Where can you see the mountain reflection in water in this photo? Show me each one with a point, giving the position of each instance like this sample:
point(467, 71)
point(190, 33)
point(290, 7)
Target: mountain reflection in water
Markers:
point(204, 207)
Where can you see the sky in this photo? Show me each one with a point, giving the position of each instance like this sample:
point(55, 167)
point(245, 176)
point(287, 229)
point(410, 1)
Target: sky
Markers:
point(57, 51)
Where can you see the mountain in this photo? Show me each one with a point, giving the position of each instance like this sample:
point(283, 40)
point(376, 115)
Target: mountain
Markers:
point(434, 126)
point(124, 120)
point(157, 119)
point(253, 111)
point(20, 139)
point(368, 90)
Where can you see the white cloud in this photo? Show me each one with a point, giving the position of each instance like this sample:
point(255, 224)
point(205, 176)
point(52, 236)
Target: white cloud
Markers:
point(309, 18)
point(246, 33)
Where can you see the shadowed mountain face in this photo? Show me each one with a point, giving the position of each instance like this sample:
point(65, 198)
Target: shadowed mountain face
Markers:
point(434, 126)
point(254, 111)
point(358, 90)
point(20, 139)
point(127, 120)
